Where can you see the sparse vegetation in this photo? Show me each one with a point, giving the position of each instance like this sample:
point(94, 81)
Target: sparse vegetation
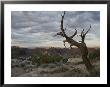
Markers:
point(45, 59)
point(49, 62)
point(94, 55)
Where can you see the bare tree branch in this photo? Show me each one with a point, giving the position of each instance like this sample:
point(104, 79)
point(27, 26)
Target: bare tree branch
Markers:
point(84, 34)
point(68, 39)
point(74, 34)
point(88, 30)
point(60, 33)
point(63, 34)
point(62, 29)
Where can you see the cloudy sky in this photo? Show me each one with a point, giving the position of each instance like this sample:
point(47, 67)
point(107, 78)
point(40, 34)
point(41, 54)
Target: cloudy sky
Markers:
point(37, 28)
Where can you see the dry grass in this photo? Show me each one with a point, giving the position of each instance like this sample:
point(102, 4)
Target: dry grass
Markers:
point(65, 70)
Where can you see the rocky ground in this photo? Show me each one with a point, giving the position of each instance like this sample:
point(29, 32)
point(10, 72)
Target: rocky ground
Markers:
point(73, 68)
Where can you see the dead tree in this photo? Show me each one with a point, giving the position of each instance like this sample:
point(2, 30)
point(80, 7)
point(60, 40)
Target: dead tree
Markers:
point(81, 44)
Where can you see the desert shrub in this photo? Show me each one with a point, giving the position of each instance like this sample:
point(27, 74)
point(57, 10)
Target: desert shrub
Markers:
point(94, 55)
point(44, 59)
point(17, 52)
point(14, 52)
point(65, 60)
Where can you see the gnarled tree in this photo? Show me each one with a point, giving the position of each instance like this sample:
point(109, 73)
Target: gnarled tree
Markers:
point(81, 44)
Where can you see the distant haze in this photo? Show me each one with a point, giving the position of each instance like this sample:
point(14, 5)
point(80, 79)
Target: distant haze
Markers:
point(37, 28)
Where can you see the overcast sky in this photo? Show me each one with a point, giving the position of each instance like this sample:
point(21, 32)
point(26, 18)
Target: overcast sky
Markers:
point(37, 28)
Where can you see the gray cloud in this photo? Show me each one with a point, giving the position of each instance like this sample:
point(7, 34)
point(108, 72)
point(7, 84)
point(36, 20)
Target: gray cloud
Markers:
point(33, 28)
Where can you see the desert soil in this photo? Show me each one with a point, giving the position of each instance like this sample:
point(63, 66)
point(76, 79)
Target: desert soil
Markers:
point(73, 68)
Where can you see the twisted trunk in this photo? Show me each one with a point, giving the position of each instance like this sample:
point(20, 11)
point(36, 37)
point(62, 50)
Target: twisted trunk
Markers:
point(84, 52)
point(82, 46)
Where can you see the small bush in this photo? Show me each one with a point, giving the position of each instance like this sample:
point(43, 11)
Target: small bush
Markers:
point(44, 59)
point(94, 55)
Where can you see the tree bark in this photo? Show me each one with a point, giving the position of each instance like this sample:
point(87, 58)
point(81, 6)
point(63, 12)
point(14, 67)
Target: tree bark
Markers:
point(84, 52)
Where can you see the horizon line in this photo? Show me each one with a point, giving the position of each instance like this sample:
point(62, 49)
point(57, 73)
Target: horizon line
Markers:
point(52, 47)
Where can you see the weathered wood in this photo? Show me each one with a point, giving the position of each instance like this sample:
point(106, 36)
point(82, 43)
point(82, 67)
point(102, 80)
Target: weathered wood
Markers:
point(82, 45)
